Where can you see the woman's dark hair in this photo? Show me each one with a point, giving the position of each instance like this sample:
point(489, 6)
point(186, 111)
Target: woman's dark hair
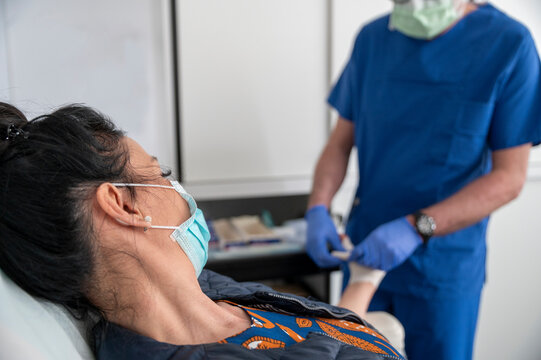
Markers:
point(49, 167)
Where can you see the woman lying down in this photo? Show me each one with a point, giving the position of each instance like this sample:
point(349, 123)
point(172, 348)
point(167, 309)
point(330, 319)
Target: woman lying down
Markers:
point(89, 221)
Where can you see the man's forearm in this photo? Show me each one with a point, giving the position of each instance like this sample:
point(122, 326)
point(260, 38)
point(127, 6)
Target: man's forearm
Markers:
point(329, 175)
point(332, 165)
point(484, 195)
point(473, 203)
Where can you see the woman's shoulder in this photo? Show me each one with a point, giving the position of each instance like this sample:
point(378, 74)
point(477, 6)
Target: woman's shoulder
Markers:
point(115, 342)
point(219, 287)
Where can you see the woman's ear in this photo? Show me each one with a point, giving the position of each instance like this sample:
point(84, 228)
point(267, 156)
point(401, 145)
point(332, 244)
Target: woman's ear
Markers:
point(119, 206)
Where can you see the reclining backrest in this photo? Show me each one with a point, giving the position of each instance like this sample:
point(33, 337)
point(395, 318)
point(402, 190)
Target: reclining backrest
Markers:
point(35, 329)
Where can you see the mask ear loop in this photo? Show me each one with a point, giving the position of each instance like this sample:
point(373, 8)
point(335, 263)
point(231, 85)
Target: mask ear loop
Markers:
point(192, 204)
point(148, 219)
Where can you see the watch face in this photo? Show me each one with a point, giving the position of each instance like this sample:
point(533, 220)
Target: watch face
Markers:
point(426, 225)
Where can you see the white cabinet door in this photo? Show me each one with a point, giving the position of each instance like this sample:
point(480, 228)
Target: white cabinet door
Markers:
point(112, 55)
point(253, 78)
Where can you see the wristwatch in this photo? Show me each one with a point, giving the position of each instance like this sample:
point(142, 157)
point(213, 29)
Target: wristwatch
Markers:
point(425, 225)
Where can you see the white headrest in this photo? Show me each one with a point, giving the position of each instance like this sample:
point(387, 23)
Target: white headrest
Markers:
point(35, 329)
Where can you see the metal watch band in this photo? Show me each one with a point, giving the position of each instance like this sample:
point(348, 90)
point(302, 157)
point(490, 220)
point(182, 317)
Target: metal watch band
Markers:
point(425, 225)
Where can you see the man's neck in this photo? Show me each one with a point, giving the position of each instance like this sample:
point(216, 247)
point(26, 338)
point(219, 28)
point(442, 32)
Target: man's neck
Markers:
point(468, 9)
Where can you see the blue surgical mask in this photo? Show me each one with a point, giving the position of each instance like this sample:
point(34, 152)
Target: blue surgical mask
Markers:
point(192, 235)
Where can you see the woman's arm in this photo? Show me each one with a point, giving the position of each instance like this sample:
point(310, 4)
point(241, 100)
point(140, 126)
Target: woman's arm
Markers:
point(363, 283)
point(357, 297)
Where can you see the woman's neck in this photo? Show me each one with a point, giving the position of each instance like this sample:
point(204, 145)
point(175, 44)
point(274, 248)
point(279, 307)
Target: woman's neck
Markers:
point(182, 316)
point(154, 291)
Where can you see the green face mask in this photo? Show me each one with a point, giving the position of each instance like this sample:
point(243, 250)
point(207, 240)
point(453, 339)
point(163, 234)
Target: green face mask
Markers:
point(425, 19)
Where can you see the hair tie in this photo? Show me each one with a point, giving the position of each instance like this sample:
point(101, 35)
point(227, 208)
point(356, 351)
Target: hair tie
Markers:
point(14, 131)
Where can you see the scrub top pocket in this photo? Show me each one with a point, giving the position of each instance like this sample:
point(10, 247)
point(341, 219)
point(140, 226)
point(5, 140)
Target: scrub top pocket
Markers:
point(469, 139)
point(462, 133)
point(474, 118)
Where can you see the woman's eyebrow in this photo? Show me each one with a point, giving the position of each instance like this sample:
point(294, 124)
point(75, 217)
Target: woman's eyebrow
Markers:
point(154, 158)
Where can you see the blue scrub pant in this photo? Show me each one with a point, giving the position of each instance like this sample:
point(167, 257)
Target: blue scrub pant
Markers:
point(436, 328)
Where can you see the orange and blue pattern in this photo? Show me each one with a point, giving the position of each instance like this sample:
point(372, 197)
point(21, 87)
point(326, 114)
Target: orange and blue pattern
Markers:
point(271, 330)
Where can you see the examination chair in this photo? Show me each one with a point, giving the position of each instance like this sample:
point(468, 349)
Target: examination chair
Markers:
point(34, 329)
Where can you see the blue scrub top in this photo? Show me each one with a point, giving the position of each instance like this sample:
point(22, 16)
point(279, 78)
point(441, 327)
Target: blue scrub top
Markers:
point(427, 115)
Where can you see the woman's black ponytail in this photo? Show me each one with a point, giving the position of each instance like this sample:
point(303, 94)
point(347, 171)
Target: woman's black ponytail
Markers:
point(49, 168)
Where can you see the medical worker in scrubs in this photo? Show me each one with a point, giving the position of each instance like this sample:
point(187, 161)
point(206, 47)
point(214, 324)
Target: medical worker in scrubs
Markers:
point(442, 100)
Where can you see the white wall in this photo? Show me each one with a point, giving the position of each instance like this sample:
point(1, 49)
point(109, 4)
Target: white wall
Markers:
point(4, 72)
point(510, 316)
point(111, 55)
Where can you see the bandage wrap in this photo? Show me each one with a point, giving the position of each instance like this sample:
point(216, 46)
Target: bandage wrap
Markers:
point(358, 273)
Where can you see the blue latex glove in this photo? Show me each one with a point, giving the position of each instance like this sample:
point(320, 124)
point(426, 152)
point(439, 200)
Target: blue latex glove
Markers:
point(321, 231)
point(388, 246)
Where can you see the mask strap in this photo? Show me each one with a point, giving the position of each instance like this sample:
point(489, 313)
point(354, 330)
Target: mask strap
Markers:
point(163, 187)
point(163, 227)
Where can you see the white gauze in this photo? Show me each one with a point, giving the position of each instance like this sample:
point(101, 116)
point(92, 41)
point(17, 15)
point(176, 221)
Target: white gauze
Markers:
point(358, 273)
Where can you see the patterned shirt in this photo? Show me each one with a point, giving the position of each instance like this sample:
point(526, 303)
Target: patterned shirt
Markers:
point(276, 330)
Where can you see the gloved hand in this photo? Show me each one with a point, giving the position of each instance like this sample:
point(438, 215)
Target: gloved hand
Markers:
point(321, 231)
point(388, 246)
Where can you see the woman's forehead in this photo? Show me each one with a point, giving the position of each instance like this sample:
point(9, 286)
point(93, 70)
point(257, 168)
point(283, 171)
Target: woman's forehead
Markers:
point(133, 147)
point(138, 155)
